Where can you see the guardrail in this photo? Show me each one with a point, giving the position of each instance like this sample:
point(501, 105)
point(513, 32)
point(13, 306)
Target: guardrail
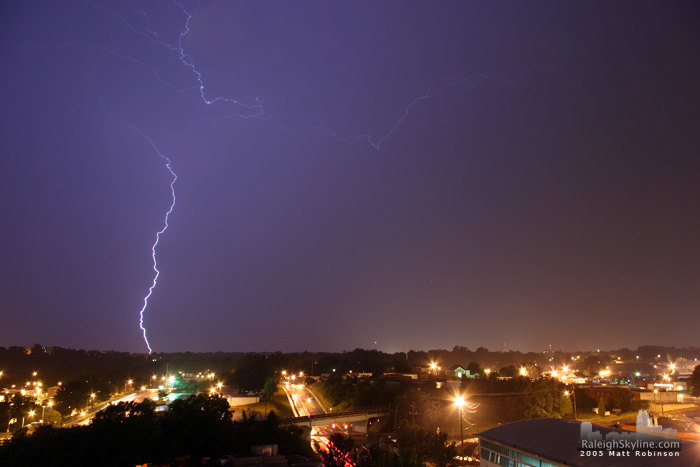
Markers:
point(362, 410)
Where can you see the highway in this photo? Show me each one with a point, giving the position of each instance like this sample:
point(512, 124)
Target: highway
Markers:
point(87, 416)
point(304, 403)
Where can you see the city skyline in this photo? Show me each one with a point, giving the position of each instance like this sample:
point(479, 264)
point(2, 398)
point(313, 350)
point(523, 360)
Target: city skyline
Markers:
point(368, 175)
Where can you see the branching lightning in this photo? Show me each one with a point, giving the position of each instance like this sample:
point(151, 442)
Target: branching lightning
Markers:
point(242, 110)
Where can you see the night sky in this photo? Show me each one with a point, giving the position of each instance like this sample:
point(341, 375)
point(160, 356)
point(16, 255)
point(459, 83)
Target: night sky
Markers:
point(420, 174)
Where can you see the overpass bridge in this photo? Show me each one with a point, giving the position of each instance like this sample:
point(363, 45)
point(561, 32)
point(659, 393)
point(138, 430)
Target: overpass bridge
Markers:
point(351, 416)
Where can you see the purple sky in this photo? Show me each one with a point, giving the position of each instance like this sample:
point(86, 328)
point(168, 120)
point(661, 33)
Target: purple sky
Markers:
point(422, 174)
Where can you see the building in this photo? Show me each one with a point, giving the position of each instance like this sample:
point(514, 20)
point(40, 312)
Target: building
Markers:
point(558, 442)
point(459, 372)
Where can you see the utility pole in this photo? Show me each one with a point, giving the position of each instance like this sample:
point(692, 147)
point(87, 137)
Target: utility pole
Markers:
point(461, 432)
point(477, 420)
point(574, 393)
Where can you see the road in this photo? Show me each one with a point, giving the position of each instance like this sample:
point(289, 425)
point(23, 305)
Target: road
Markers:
point(304, 401)
point(85, 418)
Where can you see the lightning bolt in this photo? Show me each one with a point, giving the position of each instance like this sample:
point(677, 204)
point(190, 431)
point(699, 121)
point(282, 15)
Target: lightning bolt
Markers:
point(155, 244)
point(168, 165)
point(240, 109)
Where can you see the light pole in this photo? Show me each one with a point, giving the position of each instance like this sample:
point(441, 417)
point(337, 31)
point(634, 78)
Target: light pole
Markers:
point(31, 414)
point(661, 398)
point(459, 402)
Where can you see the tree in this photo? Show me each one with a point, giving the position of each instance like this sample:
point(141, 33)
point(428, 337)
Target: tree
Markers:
point(198, 425)
point(4, 414)
point(417, 446)
point(566, 406)
point(252, 372)
point(540, 399)
point(52, 417)
point(509, 371)
point(375, 456)
point(124, 411)
point(132, 424)
point(270, 387)
point(341, 450)
point(622, 399)
point(601, 407)
point(695, 381)
point(18, 407)
point(474, 368)
point(73, 395)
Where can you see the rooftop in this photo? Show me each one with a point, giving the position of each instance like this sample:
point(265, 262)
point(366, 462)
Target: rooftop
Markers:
point(557, 440)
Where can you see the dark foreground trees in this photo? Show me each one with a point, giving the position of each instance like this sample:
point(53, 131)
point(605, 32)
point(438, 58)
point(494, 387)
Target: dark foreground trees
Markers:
point(415, 448)
point(695, 381)
point(133, 433)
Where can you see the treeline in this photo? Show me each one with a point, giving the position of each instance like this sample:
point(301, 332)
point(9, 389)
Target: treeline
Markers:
point(54, 364)
point(132, 433)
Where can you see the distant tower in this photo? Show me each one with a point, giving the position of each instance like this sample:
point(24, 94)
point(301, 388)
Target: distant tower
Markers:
point(642, 419)
point(586, 429)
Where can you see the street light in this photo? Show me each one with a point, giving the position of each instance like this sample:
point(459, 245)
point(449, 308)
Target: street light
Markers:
point(459, 402)
point(31, 414)
point(49, 404)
